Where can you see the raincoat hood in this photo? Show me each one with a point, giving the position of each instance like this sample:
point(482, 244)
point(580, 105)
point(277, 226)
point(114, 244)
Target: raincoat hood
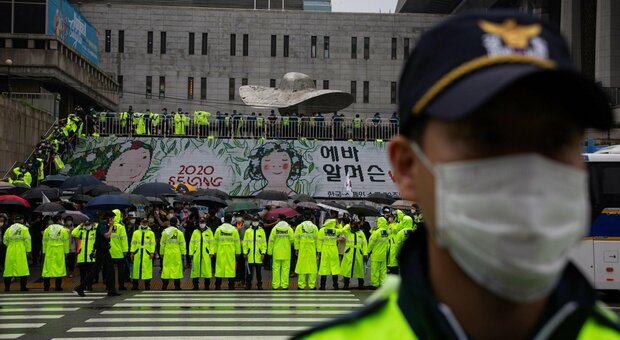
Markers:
point(308, 226)
point(399, 216)
point(331, 223)
point(407, 222)
point(118, 218)
point(381, 223)
point(282, 225)
point(227, 227)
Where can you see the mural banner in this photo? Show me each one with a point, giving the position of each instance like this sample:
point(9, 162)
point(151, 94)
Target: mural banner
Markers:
point(239, 167)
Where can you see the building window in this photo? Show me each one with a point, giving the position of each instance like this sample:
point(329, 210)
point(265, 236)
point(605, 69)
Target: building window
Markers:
point(393, 90)
point(353, 48)
point(191, 43)
point(244, 81)
point(205, 40)
point(231, 89)
point(406, 48)
point(325, 47)
point(149, 87)
point(119, 80)
point(272, 83)
point(366, 48)
point(149, 42)
point(366, 92)
point(285, 54)
point(162, 87)
point(203, 88)
point(162, 47)
point(233, 44)
point(273, 45)
point(190, 87)
point(314, 81)
point(313, 46)
point(326, 84)
point(121, 41)
point(354, 90)
point(394, 48)
point(246, 43)
point(108, 40)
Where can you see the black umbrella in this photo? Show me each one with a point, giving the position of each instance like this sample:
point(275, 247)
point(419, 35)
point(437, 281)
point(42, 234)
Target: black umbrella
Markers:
point(381, 198)
point(54, 181)
point(157, 201)
point(18, 190)
point(36, 194)
point(136, 199)
point(80, 198)
point(210, 192)
point(363, 210)
point(335, 205)
point(303, 198)
point(243, 206)
point(101, 189)
point(108, 202)
point(74, 182)
point(307, 205)
point(77, 216)
point(50, 208)
point(15, 204)
point(210, 201)
point(272, 195)
point(155, 189)
point(184, 199)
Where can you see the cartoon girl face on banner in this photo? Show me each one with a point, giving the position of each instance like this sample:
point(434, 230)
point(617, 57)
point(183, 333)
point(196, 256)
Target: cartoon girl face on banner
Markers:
point(275, 166)
point(119, 165)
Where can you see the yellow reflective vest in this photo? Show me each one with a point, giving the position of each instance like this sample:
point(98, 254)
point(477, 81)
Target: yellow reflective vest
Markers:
point(201, 249)
point(227, 246)
point(255, 244)
point(55, 248)
point(172, 248)
point(86, 243)
point(142, 247)
point(328, 247)
point(306, 242)
point(17, 241)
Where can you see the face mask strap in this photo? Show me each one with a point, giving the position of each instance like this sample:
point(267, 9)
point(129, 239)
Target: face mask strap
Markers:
point(417, 150)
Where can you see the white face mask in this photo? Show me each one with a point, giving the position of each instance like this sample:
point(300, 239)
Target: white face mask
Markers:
point(239, 219)
point(88, 227)
point(132, 220)
point(255, 223)
point(151, 220)
point(202, 225)
point(510, 222)
point(144, 226)
point(170, 215)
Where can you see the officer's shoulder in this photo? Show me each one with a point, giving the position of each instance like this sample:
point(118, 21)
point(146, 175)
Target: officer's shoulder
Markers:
point(381, 319)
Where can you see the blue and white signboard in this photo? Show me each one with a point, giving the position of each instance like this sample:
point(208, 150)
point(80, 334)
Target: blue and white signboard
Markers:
point(65, 22)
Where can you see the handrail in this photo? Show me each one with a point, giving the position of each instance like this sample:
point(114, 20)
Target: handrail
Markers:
point(7, 174)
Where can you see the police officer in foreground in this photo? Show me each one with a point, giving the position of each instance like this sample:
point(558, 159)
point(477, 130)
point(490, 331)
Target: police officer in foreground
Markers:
point(492, 118)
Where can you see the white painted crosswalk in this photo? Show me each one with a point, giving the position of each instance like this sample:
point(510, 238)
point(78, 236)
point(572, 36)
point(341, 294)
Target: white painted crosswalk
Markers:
point(215, 314)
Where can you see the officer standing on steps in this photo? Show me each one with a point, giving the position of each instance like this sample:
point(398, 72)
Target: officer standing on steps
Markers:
point(142, 255)
point(254, 249)
point(493, 115)
point(355, 254)
point(85, 235)
point(200, 252)
point(16, 239)
point(227, 248)
point(328, 249)
point(280, 241)
point(103, 259)
point(378, 248)
point(55, 250)
point(306, 240)
point(172, 249)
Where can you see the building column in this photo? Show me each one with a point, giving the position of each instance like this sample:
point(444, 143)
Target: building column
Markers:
point(570, 25)
point(607, 67)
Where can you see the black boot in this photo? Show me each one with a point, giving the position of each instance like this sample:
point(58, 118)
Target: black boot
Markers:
point(177, 284)
point(218, 283)
point(207, 284)
point(323, 282)
point(195, 281)
point(259, 285)
point(248, 285)
point(164, 284)
point(147, 284)
point(134, 285)
point(346, 283)
point(22, 283)
point(231, 284)
point(7, 284)
point(360, 283)
point(59, 284)
point(46, 284)
point(335, 282)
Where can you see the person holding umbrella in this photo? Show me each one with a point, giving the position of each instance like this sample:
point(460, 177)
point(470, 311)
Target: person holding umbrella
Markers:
point(200, 253)
point(280, 241)
point(102, 254)
point(142, 255)
point(55, 251)
point(306, 242)
point(119, 246)
point(227, 248)
point(355, 254)
point(17, 241)
point(85, 236)
point(328, 250)
point(254, 249)
point(172, 250)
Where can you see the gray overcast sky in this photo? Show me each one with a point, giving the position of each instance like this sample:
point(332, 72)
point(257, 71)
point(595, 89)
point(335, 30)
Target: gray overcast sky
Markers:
point(384, 6)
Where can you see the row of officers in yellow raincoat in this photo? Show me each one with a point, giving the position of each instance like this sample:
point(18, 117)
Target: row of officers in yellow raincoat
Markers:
point(316, 251)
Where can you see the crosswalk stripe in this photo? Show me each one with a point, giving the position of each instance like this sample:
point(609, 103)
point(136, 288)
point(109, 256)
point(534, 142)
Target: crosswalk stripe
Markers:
point(156, 296)
point(243, 298)
point(45, 298)
point(34, 294)
point(187, 329)
point(235, 304)
point(11, 336)
point(236, 337)
point(239, 320)
point(21, 325)
point(58, 302)
point(326, 292)
point(34, 309)
point(312, 311)
point(30, 317)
